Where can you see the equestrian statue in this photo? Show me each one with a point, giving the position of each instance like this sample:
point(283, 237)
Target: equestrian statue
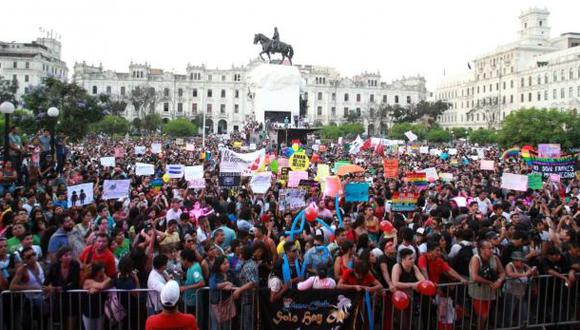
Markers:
point(273, 46)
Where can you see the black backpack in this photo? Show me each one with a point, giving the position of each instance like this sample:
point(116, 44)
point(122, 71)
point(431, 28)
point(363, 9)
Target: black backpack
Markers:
point(461, 260)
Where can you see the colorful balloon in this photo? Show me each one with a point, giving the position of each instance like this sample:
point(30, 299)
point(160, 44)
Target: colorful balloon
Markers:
point(295, 147)
point(400, 300)
point(427, 288)
point(311, 214)
point(166, 177)
point(386, 226)
point(315, 158)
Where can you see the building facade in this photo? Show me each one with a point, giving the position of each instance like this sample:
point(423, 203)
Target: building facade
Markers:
point(29, 63)
point(533, 71)
point(225, 95)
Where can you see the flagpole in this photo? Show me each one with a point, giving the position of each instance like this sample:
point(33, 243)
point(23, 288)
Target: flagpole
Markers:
point(203, 132)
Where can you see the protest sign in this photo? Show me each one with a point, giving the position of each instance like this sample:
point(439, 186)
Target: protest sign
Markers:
point(119, 152)
point(291, 199)
point(193, 172)
point(487, 165)
point(431, 174)
point(261, 182)
point(416, 178)
point(311, 309)
point(446, 177)
point(155, 148)
point(356, 192)
point(179, 141)
point(391, 168)
point(175, 171)
point(294, 178)
point(332, 186)
point(404, 202)
point(424, 150)
point(116, 189)
point(144, 169)
point(299, 161)
point(411, 136)
point(339, 164)
point(452, 151)
point(308, 184)
point(322, 171)
point(244, 163)
point(535, 181)
point(551, 150)
point(108, 161)
point(140, 150)
point(514, 182)
point(565, 167)
point(229, 180)
point(554, 178)
point(80, 194)
point(189, 147)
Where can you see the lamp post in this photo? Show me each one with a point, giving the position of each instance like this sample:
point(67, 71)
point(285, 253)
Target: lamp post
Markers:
point(6, 108)
point(52, 112)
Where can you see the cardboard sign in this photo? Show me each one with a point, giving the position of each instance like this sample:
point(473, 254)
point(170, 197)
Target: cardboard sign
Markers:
point(294, 178)
point(291, 199)
point(411, 136)
point(261, 182)
point(175, 171)
point(356, 192)
point(155, 148)
point(193, 172)
point(140, 150)
point(322, 171)
point(108, 161)
point(535, 181)
point(424, 150)
point(431, 174)
point(116, 189)
point(144, 169)
point(80, 194)
point(190, 147)
point(391, 168)
point(514, 182)
point(487, 165)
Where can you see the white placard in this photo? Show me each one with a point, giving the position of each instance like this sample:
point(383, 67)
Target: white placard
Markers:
point(434, 152)
point(193, 172)
point(252, 146)
point(140, 150)
point(424, 150)
point(108, 161)
point(144, 169)
point(80, 194)
point(452, 151)
point(190, 147)
point(431, 174)
point(196, 183)
point(115, 189)
point(155, 148)
point(514, 182)
point(411, 136)
point(179, 141)
point(175, 171)
point(261, 182)
point(487, 165)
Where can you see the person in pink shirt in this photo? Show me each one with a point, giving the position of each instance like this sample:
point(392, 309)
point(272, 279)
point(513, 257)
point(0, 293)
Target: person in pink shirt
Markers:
point(320, 281)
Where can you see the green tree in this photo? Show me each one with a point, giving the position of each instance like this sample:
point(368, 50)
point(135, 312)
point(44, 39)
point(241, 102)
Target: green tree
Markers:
point(180, 127)
point(331, 132)
point(423, 111)
point(77, 108)
point(438, 135)
point(143, 98)
point(352, 128)
point(398, 130)
point(535, 126)
point(151, 122)
point(112, 125)
point(459, 132)
point(8, 89)
point(483, 136)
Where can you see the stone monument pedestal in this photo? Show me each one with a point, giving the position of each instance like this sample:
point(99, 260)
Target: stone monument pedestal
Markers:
point(276, 90)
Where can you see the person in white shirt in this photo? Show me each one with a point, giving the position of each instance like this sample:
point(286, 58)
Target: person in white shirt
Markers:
point(155, 282)
point(467, 238)
point(483, 203)
point(175, 211)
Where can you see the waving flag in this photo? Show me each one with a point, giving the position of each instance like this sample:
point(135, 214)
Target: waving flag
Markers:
point(175, 171)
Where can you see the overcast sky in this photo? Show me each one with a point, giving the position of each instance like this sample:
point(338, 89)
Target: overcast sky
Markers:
point(394, 37)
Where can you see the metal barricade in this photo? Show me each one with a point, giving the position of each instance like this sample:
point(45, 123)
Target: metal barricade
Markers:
point(539, 302)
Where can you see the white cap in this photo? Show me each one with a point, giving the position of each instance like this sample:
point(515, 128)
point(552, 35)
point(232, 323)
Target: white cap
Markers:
point(170, 294)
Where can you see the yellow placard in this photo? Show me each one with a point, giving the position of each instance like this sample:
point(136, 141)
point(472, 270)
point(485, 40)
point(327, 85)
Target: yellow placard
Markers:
point(299, 161)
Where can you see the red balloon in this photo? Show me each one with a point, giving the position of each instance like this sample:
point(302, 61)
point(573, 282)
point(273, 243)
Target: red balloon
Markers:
point(427, 288)
point(315, 158)
point(400, 300)
point(386, 226)
point(311, 214)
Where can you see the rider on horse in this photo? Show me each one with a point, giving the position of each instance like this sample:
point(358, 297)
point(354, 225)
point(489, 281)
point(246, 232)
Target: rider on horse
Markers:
point(275, 39)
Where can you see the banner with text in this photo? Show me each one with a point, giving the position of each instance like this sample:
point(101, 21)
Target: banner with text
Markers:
point(565, 167)
point(244, 163)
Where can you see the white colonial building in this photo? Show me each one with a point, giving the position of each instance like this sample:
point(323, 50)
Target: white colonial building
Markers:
point(29, 63)
point(533, 71)
point(227, 100)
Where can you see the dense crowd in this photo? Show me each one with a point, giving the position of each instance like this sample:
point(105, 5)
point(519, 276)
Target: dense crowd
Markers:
point(235, 241)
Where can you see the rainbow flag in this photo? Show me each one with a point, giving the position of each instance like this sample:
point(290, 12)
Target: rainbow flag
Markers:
point(528, 154)
point(418, 179)
point(513, 152)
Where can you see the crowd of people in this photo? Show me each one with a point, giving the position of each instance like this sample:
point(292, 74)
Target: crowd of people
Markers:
point(236, 242)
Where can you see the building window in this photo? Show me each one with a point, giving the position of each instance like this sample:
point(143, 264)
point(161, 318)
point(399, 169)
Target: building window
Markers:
point(397, 99)
point(108, 90)
point(578, 91)
point(237, 93)
point(237, 77)
point(484, 88)
point(26, 77)
point(372, 98)
point(522, 82)
point(511, 84)
point(503, 99)
point(209, 77)
point(194, 108)
point(571, 92)
point(529, 97)
point(94, 90)
point(571, 74)
point(358, 97)
point(27, 65)
point(521, 97)
point(562, 93)
point(345, 112)
point(554, 94)
point(209, 93)
point(345, 97)
point(319, 110)
point(385, 98)
point(209, 108)
point(236, 108)
point(530, 81)
point(358, 112)
point(123, 90)
point(333, 111)
point(334, 96)
point(555, 76)
point(545, 78)
point(165, 106)
point(539, 79)
point(539, 96)
point(546, 95)
point(223, 78)
point(166, 92)
point(319, 96)
point(511, 99)
point(562, 76)
point(222, 108)
point(371, 112)
point(15, 65)
point(223, 93)
point(179, 107)
point(408, 100)
point(180, 92)
point(194, 92)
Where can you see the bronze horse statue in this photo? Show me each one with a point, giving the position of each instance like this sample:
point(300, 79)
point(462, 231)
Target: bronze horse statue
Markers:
point(268, 47)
